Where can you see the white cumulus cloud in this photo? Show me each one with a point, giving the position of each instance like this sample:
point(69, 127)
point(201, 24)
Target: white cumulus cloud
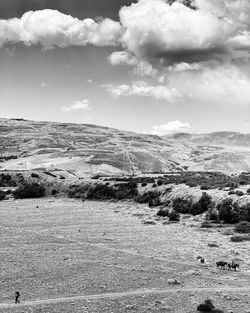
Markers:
point(82, 105)
point(153, 28)
point(122, 58)
point(51, 28)
point(171, 127)
point(143, 89)
point(224, 85)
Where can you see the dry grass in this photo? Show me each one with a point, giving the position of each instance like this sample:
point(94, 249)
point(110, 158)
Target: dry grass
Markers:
point(65, 248)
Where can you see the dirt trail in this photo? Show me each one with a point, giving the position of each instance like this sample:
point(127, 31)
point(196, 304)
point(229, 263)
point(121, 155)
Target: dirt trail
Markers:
point(116, 295)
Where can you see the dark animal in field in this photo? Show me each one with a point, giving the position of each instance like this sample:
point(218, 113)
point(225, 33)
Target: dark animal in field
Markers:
point(221, 264)
point(233, 266)
point(202, 261)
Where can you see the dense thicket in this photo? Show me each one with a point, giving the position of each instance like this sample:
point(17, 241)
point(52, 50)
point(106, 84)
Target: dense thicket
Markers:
point(29, 191)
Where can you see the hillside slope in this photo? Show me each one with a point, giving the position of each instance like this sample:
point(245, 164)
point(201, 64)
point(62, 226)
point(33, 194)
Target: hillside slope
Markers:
point(86, 149)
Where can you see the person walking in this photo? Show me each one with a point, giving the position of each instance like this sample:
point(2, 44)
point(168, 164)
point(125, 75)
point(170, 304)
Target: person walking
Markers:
point(17, 295)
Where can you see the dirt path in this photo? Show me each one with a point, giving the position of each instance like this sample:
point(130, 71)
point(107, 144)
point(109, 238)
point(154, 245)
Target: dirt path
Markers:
point(122, 295)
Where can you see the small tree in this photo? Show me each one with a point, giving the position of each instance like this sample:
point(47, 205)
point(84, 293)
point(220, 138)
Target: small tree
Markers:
point(181, 205)
point(163, 212)
point(228, 211)
point(196, 209)
point(205, 202)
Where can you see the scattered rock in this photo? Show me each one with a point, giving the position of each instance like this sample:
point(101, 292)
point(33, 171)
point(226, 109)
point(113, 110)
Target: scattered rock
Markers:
point(173, 281)
point(130, 307)
point(213, 245)
point(157, 302)
point(149, 222)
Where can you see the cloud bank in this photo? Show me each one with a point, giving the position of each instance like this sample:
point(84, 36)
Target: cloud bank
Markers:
point(147, 29)
point(197, 52)
point(51, 28)
point(171, 127)
point(143, 89)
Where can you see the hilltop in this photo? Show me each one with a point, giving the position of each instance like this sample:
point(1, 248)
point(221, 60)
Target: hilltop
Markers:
point(85, 149)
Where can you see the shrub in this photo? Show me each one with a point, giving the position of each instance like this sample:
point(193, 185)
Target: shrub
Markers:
point(78, 191)
point(104, 192)
point(53, 192)
point(196, 209)
point(242, 227)
point(159, 182)
point(34, 175)
point(163, 212)
point(181, 205)
point(206, 306)
point(154, 185)
point(239, 238)
point(144, 184)
point(2, 195)
point(239, 193)
point(228, 211)
point(101, 192)
point(6, 180)
point(212, 215)
point(206, 224)
point(205, 201)
point(204, 187)
point(29, 191)
point(245, 212)
point(154, 202)
point(248, 191)
point(96, 177)
point(147, 196)
point(174, 216)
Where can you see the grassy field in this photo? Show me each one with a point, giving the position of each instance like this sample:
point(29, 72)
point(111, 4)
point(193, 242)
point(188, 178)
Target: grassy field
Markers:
point(70, 256)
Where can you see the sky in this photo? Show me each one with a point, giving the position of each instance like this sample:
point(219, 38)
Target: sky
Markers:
point(148, 66)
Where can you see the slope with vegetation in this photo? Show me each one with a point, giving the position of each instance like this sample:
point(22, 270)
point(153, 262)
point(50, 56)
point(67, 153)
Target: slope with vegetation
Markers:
point(86, 149)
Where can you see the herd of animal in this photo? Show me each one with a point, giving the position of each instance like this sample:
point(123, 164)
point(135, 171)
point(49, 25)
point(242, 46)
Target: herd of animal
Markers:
point(220, 264)
point(230, 266)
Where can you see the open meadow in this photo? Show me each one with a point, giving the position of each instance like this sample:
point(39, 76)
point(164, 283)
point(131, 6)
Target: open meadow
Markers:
point(69, 256)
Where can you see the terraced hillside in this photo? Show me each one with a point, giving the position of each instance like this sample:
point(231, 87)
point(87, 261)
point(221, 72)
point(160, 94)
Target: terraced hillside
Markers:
point(85, 149)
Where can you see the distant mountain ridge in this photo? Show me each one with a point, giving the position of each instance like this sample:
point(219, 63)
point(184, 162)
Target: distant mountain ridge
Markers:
point(220, 138)
point(84, 149)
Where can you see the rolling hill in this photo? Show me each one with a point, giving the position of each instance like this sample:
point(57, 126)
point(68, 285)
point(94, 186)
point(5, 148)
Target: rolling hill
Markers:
point(85, 149)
